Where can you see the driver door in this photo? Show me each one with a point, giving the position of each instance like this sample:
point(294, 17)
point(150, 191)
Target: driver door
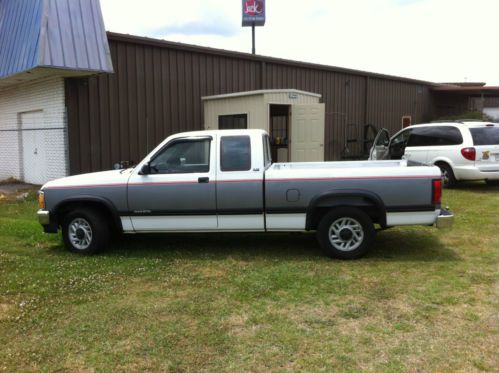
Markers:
point(379, 150)
point(177, 193)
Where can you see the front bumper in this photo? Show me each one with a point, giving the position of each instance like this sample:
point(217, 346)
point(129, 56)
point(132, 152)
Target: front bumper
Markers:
point(445, 219)
point(45, 221)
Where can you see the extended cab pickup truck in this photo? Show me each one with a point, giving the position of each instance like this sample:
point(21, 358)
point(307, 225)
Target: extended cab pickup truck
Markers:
point(224, 181)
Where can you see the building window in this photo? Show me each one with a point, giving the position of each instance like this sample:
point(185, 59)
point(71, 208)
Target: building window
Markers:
point(233, 122)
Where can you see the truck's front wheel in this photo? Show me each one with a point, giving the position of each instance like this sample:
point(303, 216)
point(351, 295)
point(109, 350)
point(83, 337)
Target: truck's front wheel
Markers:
point(345, 233)
point(85, 231)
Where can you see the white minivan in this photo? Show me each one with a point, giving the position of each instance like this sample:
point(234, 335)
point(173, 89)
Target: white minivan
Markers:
point(462, 150)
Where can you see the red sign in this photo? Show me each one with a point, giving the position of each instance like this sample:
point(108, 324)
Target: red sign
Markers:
point(253, 12)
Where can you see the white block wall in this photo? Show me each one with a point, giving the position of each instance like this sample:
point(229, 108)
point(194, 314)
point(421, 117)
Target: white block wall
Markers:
point(46, 95)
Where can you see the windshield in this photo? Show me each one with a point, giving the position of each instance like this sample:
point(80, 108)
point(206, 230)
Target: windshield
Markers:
point(485, 135)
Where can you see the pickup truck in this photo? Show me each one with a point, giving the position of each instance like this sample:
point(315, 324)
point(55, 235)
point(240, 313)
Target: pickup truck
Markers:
point(225, 181)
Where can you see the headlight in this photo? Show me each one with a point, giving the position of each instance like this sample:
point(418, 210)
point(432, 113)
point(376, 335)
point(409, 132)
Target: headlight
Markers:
point(41, 199)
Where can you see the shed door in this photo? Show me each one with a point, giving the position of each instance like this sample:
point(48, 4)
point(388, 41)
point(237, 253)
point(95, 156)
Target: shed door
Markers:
point(33, 148)
point(307, 133)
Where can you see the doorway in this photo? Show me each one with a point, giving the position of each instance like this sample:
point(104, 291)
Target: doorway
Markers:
point(279, 132)
point(33, 150)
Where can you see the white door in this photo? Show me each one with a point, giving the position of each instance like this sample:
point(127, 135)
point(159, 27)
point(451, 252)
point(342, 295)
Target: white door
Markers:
point(33, 147)
point(307, 133)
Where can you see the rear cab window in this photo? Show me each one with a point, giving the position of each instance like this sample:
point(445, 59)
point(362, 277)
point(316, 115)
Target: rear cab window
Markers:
point(485, 135)
point(235, 153)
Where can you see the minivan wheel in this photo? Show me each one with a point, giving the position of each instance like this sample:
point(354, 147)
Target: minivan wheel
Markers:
point(448, 178)
point(85, 231)
point(345, 233)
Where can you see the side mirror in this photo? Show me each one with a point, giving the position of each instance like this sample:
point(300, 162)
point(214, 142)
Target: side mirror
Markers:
point(146, 169)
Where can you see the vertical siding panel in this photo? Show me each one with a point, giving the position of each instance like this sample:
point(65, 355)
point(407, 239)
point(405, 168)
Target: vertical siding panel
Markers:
point(84, 124)
point(123, 103)
point(166, 98)
point(149, 98)
point(174, 92)
point(94, 127)
point(104, 122)
point(140, 69)
point(158, 93)
point(132, 99)
point(114, 120)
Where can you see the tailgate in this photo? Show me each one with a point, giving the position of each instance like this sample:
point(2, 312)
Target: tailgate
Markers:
point(486, 142)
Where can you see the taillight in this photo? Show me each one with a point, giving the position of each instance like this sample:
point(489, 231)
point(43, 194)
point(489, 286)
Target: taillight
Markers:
point(437, 191)
point(469, 153)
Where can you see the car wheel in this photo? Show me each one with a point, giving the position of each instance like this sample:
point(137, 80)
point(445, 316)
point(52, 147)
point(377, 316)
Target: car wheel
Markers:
point(448, 178)
point(85, 231)
point(492, 182)
point(345, 233)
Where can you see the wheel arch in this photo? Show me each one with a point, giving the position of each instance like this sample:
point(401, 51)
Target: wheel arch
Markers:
point(99, 203)
point(365, 200)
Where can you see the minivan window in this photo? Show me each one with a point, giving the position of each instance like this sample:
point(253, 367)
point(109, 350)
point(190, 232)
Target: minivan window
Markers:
point(485, 135)
point(235, 153)
point(435, 136)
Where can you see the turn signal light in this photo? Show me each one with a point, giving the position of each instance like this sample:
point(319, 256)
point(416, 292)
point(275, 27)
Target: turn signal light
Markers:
point(437, 191)
point(469, 153)
point(41, 200)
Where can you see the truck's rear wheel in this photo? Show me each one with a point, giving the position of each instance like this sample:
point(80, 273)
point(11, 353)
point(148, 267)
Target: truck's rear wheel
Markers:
point(345, 233)
point(85, 231)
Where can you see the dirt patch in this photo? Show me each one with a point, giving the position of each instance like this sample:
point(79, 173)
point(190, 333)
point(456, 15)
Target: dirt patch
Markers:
point(5, 310)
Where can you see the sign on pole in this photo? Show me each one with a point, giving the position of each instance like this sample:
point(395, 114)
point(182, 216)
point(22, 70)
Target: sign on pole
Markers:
point(253, 12)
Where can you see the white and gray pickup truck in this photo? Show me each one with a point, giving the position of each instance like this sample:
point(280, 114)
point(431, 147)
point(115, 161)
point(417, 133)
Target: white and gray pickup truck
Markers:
point(225, 181)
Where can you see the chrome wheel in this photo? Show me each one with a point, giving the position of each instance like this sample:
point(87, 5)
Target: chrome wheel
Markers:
point(80, 233)
point(346, 234)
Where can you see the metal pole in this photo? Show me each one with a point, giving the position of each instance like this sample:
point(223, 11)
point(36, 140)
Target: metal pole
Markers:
point(253, 38)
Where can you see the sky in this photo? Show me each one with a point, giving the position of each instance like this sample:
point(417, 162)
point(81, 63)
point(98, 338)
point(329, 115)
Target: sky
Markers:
point(431, 40)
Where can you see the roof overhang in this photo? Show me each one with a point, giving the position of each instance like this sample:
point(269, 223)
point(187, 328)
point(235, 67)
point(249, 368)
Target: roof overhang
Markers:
point(467, 90)
point(260, 92)
point(38, 73)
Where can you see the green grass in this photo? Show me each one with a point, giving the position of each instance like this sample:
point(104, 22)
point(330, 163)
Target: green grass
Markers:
point(421, 300)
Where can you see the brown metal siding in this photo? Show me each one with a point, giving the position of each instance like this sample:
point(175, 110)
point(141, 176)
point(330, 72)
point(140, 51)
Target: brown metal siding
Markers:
point(157, 87)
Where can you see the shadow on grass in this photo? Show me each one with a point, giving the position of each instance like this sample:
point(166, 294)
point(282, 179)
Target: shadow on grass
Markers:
point(389, 246)
point(477, 187)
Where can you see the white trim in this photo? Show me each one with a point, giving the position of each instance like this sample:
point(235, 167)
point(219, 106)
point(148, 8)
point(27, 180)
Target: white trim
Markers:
point(412, 218)
point(175, 223)
point(126, 223)
point(286, 222)
point(241, 222)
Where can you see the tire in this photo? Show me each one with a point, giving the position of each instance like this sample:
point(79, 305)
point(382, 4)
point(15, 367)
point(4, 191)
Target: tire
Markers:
point(492, 182)
point(448, 178)
point(355, 233)
point(85, 231)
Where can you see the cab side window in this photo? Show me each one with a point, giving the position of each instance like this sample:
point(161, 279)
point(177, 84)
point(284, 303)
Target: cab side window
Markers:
point(182, 156)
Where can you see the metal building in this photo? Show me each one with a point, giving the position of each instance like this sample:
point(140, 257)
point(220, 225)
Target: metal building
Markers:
point(157, 87)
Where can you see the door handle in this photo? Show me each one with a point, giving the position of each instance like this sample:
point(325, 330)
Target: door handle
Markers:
point(203, 179)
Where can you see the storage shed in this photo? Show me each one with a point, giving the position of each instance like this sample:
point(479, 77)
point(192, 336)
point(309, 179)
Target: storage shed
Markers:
point(294, 120)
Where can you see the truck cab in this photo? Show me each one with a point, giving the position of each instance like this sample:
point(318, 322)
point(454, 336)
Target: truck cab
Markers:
point(199, 181)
